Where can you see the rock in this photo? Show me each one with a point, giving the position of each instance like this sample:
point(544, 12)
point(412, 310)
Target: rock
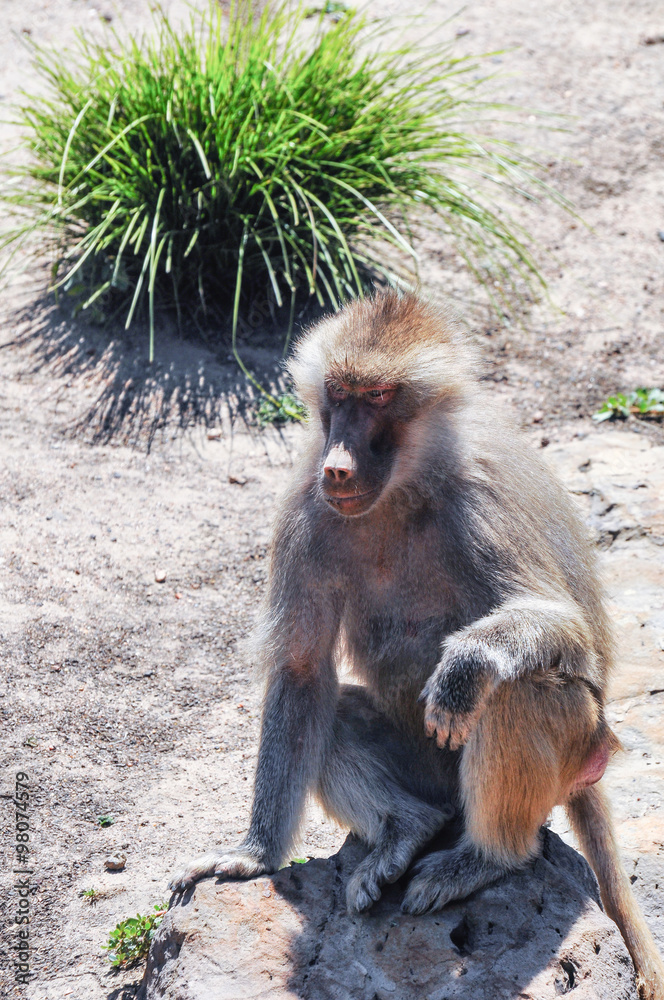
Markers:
point(160, 576)
point(618, 478)
point(115, 863)
point(535, 935)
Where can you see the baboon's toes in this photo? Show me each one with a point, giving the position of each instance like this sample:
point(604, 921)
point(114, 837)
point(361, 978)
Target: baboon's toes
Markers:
point(423, 895)
point(395, 871)
point(361, 894)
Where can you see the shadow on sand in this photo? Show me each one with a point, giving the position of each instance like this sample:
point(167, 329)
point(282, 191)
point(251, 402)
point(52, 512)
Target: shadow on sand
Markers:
point(128, 400)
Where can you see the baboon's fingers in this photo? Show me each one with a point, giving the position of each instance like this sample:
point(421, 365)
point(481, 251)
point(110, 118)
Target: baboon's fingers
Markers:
point(437, 723)
point(201, 867)
point(237, 863)
point(462, 726)
point(449, 728)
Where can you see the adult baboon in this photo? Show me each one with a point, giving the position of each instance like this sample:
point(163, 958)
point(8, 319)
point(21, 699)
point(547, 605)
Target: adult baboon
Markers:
point(425, 543)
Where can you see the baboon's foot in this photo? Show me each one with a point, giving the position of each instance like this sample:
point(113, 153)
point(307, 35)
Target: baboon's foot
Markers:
point(391, 857)
point(377, 869)
point(363, 888)
point(234, 862)
point(445, 876)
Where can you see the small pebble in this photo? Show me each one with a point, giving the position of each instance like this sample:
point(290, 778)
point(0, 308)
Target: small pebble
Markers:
point(660, 233)
point(159, 576)
point(115, 863)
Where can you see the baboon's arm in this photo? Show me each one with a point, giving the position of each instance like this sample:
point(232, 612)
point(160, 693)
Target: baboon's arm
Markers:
point(295, 638)
point(297, 724)
point(523, 635)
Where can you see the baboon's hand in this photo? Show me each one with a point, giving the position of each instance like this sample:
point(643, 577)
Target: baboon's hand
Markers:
point(233, 862)
point(456, 694)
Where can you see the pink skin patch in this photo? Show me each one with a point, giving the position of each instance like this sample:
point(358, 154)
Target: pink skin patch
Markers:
point(387, 387)
point(377, 394)
point(593, 769)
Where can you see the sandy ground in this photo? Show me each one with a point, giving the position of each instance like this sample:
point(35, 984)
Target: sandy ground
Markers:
point(120, 695)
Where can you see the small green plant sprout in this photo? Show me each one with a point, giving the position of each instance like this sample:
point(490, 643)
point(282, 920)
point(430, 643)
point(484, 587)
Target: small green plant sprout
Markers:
point(106, 820)
point(279, 409)
point(299, 861)
point(90, 895)
point(335, 9)
point(640, 403)
point(247, 156)
point(130, 941)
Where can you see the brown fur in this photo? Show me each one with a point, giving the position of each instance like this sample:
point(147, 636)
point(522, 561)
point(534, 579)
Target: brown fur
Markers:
point(590, 816)
point(425, 543)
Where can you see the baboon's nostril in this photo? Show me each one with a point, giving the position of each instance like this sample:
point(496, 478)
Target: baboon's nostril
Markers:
point(339, 465)
point(336, 474)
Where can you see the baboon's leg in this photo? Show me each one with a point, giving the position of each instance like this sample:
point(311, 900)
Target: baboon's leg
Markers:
point(359, 789)
point(522, 758)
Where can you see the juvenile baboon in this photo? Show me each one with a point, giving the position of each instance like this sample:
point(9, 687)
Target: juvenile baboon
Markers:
point(428, 546)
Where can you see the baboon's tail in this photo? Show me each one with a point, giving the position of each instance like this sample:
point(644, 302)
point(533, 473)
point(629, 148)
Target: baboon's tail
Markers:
point(591, 820)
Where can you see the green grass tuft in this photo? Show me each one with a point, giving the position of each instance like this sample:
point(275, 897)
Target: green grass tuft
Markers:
point(260, 157)
point(640, 403)
point(332, 8)
point(282, 409)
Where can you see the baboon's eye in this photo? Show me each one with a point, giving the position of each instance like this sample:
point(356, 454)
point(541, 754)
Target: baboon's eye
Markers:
point(336, 391)
point(381, 395)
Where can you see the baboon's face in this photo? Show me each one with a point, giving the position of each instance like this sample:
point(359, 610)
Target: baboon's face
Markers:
point(362, 437)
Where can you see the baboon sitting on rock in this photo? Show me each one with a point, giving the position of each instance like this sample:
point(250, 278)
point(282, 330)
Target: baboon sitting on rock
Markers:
point(428, 545)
